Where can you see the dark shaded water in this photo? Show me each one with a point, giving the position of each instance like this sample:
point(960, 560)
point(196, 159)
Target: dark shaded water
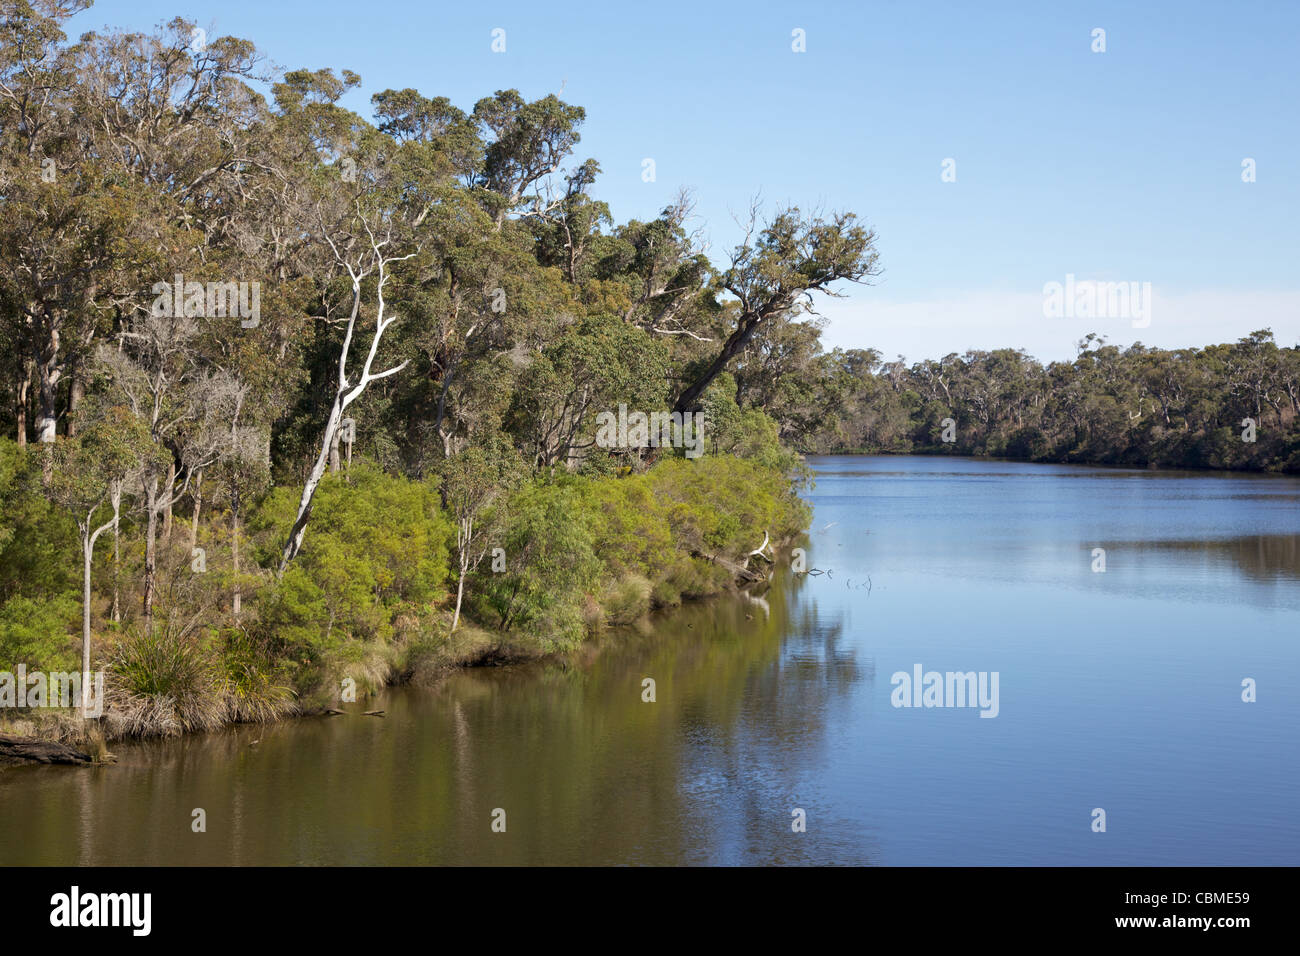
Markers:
point(1118, 690)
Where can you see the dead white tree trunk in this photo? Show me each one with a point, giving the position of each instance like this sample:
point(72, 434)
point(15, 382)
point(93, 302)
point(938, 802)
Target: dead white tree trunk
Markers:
point(760, 551)
point(376, 262)
point(464, 535)
point(88, 539)
point(115, 496)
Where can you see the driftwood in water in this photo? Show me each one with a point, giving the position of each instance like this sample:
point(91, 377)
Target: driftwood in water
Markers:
point(39, 751)
point(743, 573)
point(739, 571)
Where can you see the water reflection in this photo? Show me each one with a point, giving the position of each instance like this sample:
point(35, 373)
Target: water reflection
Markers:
point(586, 771)
point(1119, 690)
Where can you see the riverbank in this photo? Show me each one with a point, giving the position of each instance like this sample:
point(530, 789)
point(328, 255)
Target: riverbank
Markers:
point(580, 556)
point(1119, 689)
point(63, 737)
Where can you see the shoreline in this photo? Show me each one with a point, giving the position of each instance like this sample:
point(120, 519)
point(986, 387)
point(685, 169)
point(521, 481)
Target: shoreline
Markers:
point(65, 739)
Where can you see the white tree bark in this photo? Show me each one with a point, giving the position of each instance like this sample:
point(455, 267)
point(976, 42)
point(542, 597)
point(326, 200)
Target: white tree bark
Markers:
point(347, 393)
point(88, 539)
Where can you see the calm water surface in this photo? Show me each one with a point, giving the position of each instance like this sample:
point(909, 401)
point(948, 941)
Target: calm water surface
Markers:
point(1119, 690)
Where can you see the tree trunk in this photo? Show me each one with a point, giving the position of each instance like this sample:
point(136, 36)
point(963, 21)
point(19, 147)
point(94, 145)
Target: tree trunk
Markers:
point(88, 539)
point(167, 508)
point(150, 550)
point(20, 403)
point(689, 400)
point(40, 751)
point(463, 538)
point(238, 602)
point(299, 528)
point(48, 374)
point(334, 451)
point(115, 496)
point(76, 392)
point(198, 506)
point(460, 593)
point(88, 550)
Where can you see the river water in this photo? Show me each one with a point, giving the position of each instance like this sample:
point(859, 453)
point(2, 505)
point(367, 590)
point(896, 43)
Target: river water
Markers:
point(1118, 691)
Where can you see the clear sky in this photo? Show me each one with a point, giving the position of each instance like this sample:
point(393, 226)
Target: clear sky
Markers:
point(1124, 165)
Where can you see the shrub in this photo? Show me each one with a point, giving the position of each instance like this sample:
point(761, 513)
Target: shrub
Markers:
point(163, 684)
point(375, 553)
point(626, 600)
point(550, 562)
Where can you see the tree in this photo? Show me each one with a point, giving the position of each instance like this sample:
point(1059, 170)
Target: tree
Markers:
point(367, 259)
point(471, 481)
point(85, 471)
point(790, 259)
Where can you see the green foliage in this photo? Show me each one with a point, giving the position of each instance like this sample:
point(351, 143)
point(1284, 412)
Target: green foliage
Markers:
point(721, 505)
point(626, 600)
point(254, 680)
point(632, 542)
point(40, 591)
point(40, 632)
point(163, 683)
point(550, 560)
point(747, 432)
point(594, 366)
point(39, 554)
point(376, 552)
point(1134, 406)
point(516, 310)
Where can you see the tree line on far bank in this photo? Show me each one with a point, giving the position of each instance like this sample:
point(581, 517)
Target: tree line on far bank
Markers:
point(1232, 406)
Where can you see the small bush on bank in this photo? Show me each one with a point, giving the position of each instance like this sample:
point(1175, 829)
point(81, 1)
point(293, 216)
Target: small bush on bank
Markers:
point(161, 684)
point(373, 564)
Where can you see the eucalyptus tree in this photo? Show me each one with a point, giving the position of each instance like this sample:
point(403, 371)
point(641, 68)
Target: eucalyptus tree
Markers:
point(596, 365)
point(524, 143)
point(776, 271)
point(88, 131)
point(473, 481)
point(86, 470)
point(158, 373)
point(48, 239)
point(371, 232)
point(478, 291)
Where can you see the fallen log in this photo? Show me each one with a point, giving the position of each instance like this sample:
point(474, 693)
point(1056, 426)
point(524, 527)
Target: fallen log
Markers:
point(740, 572)
point(39, 751)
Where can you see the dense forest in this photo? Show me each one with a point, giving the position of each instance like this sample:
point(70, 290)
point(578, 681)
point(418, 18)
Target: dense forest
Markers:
point(1233, 406)
point(298, 400)
point(302, 402)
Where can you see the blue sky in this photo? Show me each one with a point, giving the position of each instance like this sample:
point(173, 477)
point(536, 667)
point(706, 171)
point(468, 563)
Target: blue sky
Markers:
point(1115, 166)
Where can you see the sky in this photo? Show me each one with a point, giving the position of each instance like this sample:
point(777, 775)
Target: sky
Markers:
point(990, 146)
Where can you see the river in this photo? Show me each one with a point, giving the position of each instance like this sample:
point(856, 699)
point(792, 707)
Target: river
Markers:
point(1118, 690)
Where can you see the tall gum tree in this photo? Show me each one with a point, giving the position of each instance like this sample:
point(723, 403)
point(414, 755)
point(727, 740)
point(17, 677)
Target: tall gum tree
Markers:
point(368, 258)
point(775, 272)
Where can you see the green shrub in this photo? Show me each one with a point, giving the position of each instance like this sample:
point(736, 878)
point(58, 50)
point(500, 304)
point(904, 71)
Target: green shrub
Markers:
point(255, 687)
point(550, 564)
point(375, 554)
point(163, 684)
point(43, 634)
point(626, 600)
